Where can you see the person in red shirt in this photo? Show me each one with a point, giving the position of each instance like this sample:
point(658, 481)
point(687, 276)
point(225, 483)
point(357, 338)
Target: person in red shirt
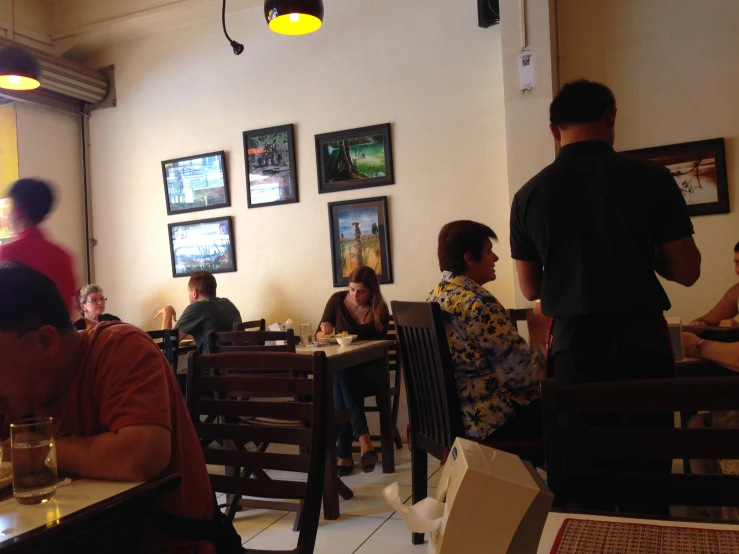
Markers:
point(119, 412)
point(32, 202)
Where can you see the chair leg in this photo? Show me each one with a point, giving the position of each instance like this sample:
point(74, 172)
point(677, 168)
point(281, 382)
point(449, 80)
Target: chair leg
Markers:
point(398, 439)
point(420, 475)
point(298, 517)
point(386, 426)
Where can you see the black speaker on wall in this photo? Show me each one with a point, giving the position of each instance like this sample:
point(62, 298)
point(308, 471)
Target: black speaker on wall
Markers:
point(488, 13)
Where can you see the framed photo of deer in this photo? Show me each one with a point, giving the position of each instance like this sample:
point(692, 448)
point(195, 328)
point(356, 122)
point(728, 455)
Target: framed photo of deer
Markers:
point(699, 170)
point(360, 236)
point(355, 159)
point(271, 169)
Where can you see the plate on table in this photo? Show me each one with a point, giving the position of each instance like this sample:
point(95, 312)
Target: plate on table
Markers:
point(332, 340)
point(6, 475)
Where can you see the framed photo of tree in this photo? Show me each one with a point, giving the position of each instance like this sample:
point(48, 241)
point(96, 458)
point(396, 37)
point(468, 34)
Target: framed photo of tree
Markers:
point(355, 159)
point(699, 170)
point(271, 175)
point(360, 236)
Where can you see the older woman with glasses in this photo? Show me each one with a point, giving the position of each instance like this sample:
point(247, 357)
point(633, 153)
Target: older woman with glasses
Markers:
point(92, 308)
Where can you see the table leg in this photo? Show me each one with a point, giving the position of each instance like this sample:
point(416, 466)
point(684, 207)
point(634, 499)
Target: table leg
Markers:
point(330, 485)
point(386, 425)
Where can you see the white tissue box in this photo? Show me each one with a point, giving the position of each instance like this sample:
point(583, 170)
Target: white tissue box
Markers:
point(487, 501)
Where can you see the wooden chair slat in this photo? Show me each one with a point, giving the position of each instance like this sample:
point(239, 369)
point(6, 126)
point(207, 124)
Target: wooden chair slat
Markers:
point(256, 324)
point(289, 411)
point(262, 460)
point(246, 433)
point(279, 385)
point(258, 487)
point(251, 341)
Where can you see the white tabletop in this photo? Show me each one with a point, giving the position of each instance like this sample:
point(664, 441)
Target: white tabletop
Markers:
point(555, 520)
point(337, 350)
point(16, 519)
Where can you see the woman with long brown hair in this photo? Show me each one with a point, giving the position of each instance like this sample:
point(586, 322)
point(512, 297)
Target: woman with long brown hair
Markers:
point(359, 311)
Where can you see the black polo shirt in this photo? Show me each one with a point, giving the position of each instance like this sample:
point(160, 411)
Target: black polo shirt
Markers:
point(593, 219)
point(204, 316)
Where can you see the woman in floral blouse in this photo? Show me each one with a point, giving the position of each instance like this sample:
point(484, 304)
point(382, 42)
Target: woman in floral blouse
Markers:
point(497, 373)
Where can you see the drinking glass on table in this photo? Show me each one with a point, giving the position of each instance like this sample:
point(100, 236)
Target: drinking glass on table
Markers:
point(34, 460)
point(306, 334)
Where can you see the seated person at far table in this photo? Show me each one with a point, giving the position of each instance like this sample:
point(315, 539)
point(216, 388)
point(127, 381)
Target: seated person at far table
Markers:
point(92, 308)
point(726, 310)
point(119, 415)
point(205, 313)
point(727, 355)
point(359, 311)
point(497, 373)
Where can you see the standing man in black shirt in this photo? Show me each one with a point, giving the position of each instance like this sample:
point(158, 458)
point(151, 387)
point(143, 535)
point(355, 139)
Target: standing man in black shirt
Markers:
point(588, 233)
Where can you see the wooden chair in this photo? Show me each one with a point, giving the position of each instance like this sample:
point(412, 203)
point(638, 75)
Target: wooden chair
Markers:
point(311, 409)
point(168, 340)
point(258, 324)
point(434, 410)
point(567, 442)
point(250, 341)
point(393, 391)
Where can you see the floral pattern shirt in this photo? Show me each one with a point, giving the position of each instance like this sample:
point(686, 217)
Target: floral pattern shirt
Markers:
point(493, 365)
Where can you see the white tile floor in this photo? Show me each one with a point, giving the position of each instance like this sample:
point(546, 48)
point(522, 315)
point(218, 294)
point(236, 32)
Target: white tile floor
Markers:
point(367, 524)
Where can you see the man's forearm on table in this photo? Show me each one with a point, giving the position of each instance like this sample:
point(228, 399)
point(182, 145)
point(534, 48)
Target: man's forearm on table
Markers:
point(105, 456)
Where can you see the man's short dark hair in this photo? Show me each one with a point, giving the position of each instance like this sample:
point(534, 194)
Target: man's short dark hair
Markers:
point(581, 102)
point(459, 237)
point(30, 300)
point(204, 283)
point(34, 197)
point(736, 248)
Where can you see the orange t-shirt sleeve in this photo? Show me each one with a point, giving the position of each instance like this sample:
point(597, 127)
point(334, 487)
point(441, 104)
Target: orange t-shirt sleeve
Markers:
point(132, 383)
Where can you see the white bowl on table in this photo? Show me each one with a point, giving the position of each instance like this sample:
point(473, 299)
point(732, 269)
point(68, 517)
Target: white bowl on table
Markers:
point(345, 341)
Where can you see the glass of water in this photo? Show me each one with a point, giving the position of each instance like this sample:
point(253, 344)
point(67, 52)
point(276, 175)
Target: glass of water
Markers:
point(34, 460)
point(306, 334)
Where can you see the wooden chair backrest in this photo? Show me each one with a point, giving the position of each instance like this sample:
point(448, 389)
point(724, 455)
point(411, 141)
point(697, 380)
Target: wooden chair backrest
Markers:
point(310, 410)
point(568, 440)
point(251, 341)
point(433, 405)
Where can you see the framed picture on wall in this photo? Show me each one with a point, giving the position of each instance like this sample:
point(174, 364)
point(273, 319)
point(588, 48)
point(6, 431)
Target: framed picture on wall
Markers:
point(699, 169)
point(196, 183)
point(271, 169)
point(355, 159)
point(360, 236)
point(205, 245)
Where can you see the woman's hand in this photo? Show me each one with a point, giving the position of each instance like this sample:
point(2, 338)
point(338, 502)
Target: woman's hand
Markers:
point(700, 322)
point(326, 328)
point(690, 343)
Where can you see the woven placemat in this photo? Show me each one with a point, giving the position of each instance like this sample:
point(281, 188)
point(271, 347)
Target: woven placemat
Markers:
point(583, 536)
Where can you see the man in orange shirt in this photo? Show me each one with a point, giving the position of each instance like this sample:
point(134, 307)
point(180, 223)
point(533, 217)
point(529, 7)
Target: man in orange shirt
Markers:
point(32, 202)
point(120, 413)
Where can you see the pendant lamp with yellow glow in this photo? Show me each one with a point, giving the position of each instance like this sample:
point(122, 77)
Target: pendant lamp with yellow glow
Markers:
point(19, 68)
point(294, 17)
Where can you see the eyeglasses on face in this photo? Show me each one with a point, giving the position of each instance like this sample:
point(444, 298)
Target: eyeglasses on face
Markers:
point(95, 300)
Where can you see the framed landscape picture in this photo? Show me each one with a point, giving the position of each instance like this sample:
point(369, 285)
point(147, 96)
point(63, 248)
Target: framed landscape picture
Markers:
point(355, 159)
point(205, 245)
point(196, 183)
point(271, 169)
point(360, 235)
point(699, 169)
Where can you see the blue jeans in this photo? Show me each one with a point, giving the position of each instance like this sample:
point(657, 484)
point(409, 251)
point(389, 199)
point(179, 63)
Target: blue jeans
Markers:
point(350, 387)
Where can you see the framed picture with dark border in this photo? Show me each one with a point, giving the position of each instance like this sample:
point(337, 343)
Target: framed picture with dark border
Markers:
point(205, 245)
point(699, 169)
point(355, 159)
point(196, 183)
point(360, 235)
point(271, 168)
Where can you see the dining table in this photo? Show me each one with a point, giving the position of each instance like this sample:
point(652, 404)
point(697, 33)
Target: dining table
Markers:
point(85, 515)
point(346, 358)
point(607, 529)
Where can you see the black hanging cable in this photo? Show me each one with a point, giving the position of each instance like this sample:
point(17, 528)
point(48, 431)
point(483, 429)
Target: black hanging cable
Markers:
point(238, 47)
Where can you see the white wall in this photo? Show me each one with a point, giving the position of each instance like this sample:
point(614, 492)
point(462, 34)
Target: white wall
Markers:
point(50, 147)
point(422, 65)
point(672, 66)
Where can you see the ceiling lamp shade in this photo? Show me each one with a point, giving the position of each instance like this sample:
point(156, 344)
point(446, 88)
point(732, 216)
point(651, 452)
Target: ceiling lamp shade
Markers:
point(19, 69)
point(294, 17)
